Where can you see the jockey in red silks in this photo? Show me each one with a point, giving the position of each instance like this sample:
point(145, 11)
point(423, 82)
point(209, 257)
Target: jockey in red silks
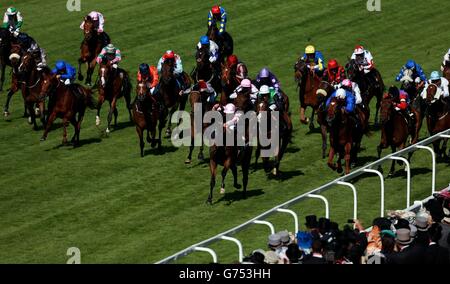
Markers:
point(335, 73)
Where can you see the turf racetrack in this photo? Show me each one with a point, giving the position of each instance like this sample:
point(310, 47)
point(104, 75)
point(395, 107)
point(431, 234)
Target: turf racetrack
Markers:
point(119, 208)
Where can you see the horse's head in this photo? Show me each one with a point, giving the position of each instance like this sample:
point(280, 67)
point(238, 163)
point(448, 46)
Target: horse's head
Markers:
point(5, 38)
point(201, 57)
point(324, 90)
point(27, 63)
point(227, 75)
point(243, 102)
point(213, 33)
point(301, 70)
point(352, 70)
point(387, 105)
point(334, 110)
point(433, 93)
point(88, 28)
point(48, 83)
point(104, 72)
point(167, 70)
point(142, 91)
point(16, 55)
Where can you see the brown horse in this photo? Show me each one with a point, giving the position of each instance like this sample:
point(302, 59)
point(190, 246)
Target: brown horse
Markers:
point(69, 104)
point(17, 78)
point(206, 71)
point(369, 88)
point(229, 82)
point(438, 117)
point(5, 52)
point(446, 72)
point(230, 155)
point(91, 46)
point(323, 92)
point(394, 128)
point(198, 98)
point(114, 83)
point(308, 84)
point(284, 126)
point(224, 41)
point(145, 115)
point(342, 135)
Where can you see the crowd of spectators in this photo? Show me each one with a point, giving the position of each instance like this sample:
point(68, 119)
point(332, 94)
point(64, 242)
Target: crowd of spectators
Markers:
point(401, 238)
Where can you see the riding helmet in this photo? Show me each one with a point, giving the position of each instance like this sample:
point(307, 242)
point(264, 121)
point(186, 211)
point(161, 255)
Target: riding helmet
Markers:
point(143, 68)
point(204, 40)
point(60, 65)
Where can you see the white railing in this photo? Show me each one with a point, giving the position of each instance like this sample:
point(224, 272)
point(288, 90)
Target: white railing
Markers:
point(342, 181)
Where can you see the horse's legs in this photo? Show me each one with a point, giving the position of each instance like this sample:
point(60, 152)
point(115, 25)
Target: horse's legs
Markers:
point(379, 150)
point(161, 125)
point(2, 78)
point(169, 130)
point(65, 124)
point(330, 162)
point(245, 169)
point(191, 149)
point(348, 157)
point(112, 107)
point(50, 120)
point(392, 170)
point(42, 112)
point(141, 139)
point(116, 114)
point(323, 130)
point(212, 184)
point(444, 148)
point(311, 122)
point(339, 169)
point(257, 154)
point(302, 115)
point(8, 99)
point(200, 156)
point(32, 118)
point(226, 166)
point(282, 150)
point(80, 75)
point(101, 99)
point(235, 174)
point(377, 108)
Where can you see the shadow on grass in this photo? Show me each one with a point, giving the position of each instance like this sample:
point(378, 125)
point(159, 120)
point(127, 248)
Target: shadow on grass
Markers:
point(83, 142)
point(161, 151)
point(286, 175)
point(236, 195)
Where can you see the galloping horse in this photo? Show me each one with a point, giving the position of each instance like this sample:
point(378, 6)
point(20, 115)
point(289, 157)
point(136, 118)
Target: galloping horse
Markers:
point(204, 70)
point(224, 41)
point(394, 128)
point(368, 90)
point(324, 91)
point(343, 135)
point(438, 117)
point(145, 115)
point(17, 78)
point(5, 51)
point(31, 84)
point(67, 105)
point(284, 134)
point(114, 83)
point(308, 83)
point(230, 155)
point(90, 48)
point(229, 82)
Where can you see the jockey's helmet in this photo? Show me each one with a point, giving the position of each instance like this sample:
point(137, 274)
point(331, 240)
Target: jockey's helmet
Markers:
point(232, 60)
point(60, 65)
point(204, 40)
point(347, 83)
point(341, 94)
point(143, 69)
point(93, 15)
point(264, 90)
point(435, 76)
point(310, 49)
point(246, 83)
point(333, 64)
point(11, 11)
point(215, 10)
point(169, 54)
point(110, 48)
point(203, 86)
point(359, 49)
point(410, 64)
point(229, 108)
point(264, 73)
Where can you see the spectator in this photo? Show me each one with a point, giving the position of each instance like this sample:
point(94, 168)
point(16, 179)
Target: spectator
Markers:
point(407, 253)
point(294, 254)
point(435, 254)
point(271, 258)
point(317, 254)
point(285, 241)
point(274, 242)
point(445, 223)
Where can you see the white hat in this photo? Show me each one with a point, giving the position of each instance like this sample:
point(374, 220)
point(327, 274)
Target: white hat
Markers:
point(230, 108)
point(264, 90)
point(341, 93)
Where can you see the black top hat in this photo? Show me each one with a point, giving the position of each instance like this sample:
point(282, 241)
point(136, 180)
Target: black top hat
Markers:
point(402, 224)
point(311, 221)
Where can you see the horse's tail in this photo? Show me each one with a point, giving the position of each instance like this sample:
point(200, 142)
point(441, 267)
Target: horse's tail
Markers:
point(89, 99)
point(126, 89)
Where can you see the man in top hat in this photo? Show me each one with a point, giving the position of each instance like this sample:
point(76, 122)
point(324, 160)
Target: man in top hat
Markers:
point(285, 241)
point(274, 242)
point(436, 254)
point(407, 252)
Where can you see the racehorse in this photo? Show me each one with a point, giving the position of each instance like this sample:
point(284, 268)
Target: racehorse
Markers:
point(114, 83)
point(5, 51)
point(324, 91)
point(224, 41)
point(230, 155)
point(438, 117)
point(446, 72)
point(229, 81)
point(200, 99)
point(145, 111)
point(284, 134)
point(308, 83)
point(91, 46)
point(69, 103)
point(205, 70)
point(394, 127)
point(31, 83)
point(343, 136)
point(368, 89)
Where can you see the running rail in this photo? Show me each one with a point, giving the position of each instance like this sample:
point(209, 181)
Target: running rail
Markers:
point(342, 181)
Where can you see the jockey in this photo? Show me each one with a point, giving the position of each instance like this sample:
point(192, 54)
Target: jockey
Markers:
point(314, 59)
point(111, 54)
point(403, 107)
point(265, 77)
point(446, 60)
point(349, 99)
point(99, 23)
point(178, 67)
point(218, 13)
point(246, 87)
point(335, 73)
point(439, 81)
point(363, 58)
point(353, 88)
point(149, 75)
point(212, 47)
point(418, 74)
point(39, 55)
point(206, 88)
point(238, 67)
point(275, 98)
point(12, 20)
point(64, 72)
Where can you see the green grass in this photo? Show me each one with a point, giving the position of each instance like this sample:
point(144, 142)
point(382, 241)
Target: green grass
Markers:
point(120, 208)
